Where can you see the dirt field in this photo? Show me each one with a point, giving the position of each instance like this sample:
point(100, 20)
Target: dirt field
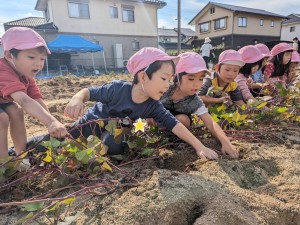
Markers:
point(261, 187)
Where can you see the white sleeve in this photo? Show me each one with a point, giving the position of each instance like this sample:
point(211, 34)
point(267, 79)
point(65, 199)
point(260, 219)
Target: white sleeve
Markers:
point(201, 110)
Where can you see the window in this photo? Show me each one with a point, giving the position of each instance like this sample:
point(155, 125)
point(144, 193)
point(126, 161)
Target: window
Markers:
point(272, 23)
point(79, 8)
point(113, 12)
point(135, 45)
point(128, 13)
point(204, 27)
point(212, 10)
point(292, 29)
point(261, 23)
point(220, 24)
point(242, 22)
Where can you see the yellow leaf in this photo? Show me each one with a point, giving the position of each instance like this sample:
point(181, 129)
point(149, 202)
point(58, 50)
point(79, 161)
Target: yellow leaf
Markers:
point(69, 201)
point(106, 166)
point(236, 116)
point(221, 108)
point(101, 123)
point(48, 158)
point(261, 105)
point(118, 132)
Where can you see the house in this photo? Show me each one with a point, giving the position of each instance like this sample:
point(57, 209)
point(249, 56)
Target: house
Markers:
point(30, 22)
point(291, 27)
point(122, 27)
point(235, 26)
point(168, 38)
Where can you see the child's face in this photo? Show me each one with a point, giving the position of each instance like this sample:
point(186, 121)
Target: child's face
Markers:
point(286, 57)
point(191, 83)
point(29, 62)
point(160, 81)
point(265, 61)
point(228, 72)
point(293, 66)
point(254, 69)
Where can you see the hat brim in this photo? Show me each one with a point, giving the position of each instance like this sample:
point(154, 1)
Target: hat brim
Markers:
point(233, 62)
point(32, 45)
point(196, 70)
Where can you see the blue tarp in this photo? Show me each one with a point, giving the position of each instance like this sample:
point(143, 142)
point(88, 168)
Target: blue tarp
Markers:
point(73, 43)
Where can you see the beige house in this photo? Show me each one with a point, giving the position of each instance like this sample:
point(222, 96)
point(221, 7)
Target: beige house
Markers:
point(235, 26)
point(122, 27)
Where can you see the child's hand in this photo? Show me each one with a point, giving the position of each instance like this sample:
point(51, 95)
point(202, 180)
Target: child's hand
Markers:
point(56, 129)
point(74, 109)
point(207, 153)
point(229, 149)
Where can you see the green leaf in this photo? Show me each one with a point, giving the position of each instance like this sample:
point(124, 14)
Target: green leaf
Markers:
point(54, 142)
point(236, 116)
point(53, 208)
point(147, 152)
point(33, 206)
point(282, 109)
point(92, 141)
point(215, 117)
point(96, 169)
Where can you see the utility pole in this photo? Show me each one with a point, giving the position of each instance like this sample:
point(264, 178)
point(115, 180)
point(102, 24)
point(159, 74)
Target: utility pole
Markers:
point(179, 27)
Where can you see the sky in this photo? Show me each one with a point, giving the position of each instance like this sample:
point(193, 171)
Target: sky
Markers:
point(167, 16)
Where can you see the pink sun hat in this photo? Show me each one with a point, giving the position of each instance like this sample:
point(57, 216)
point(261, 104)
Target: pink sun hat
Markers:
point(145, 57)
point(22, 38)
point(190, 62)
point(264, 50)
point(281, 47)
point(250, 54)
point(231, 57)
point(295, 57)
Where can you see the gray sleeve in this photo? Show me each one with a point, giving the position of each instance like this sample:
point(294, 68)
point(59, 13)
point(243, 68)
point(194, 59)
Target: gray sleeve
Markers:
point(205, 86)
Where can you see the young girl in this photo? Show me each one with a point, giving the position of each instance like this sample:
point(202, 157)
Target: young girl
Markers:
point(152, 72)
point(258, 77)
point(253, 59)
point(24, 56)
point(220, 86)
point(182, 100)
point(278, 68)
point(293, 76)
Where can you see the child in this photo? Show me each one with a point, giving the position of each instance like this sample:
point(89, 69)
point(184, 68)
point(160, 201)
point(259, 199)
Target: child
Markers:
point(182, 100)
point(152, 71)
point(24, 56)
point(253, 59)
point(220, 87)
point(293, 76)
point(278, 68)
point(258, 77)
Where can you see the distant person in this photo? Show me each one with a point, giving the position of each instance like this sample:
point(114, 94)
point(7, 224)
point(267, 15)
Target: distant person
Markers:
point(296, 44)
point(207, 50)
point(25, 52)
point(293, 76)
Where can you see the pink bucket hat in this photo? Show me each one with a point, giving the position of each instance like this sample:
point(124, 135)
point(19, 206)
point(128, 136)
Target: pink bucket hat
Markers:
point(190, 62)
point(231, 57)
point(250, 54)
point(145, 57)
point(281, 47)
point(295, 57)
point(22, 38)
point(264, 50)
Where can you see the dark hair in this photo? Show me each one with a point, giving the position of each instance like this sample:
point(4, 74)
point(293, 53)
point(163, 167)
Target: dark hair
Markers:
point(152, 68)
point(179, 76)
point(279, 68)
point(246, 69)
point(15, 52)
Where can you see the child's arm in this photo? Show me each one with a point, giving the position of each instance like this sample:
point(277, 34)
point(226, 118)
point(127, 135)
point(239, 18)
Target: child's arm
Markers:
point(42, 103)
point(34, 109)
point(218, 133)
point(75, 108)
point(211, 100)
point(183, 133)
